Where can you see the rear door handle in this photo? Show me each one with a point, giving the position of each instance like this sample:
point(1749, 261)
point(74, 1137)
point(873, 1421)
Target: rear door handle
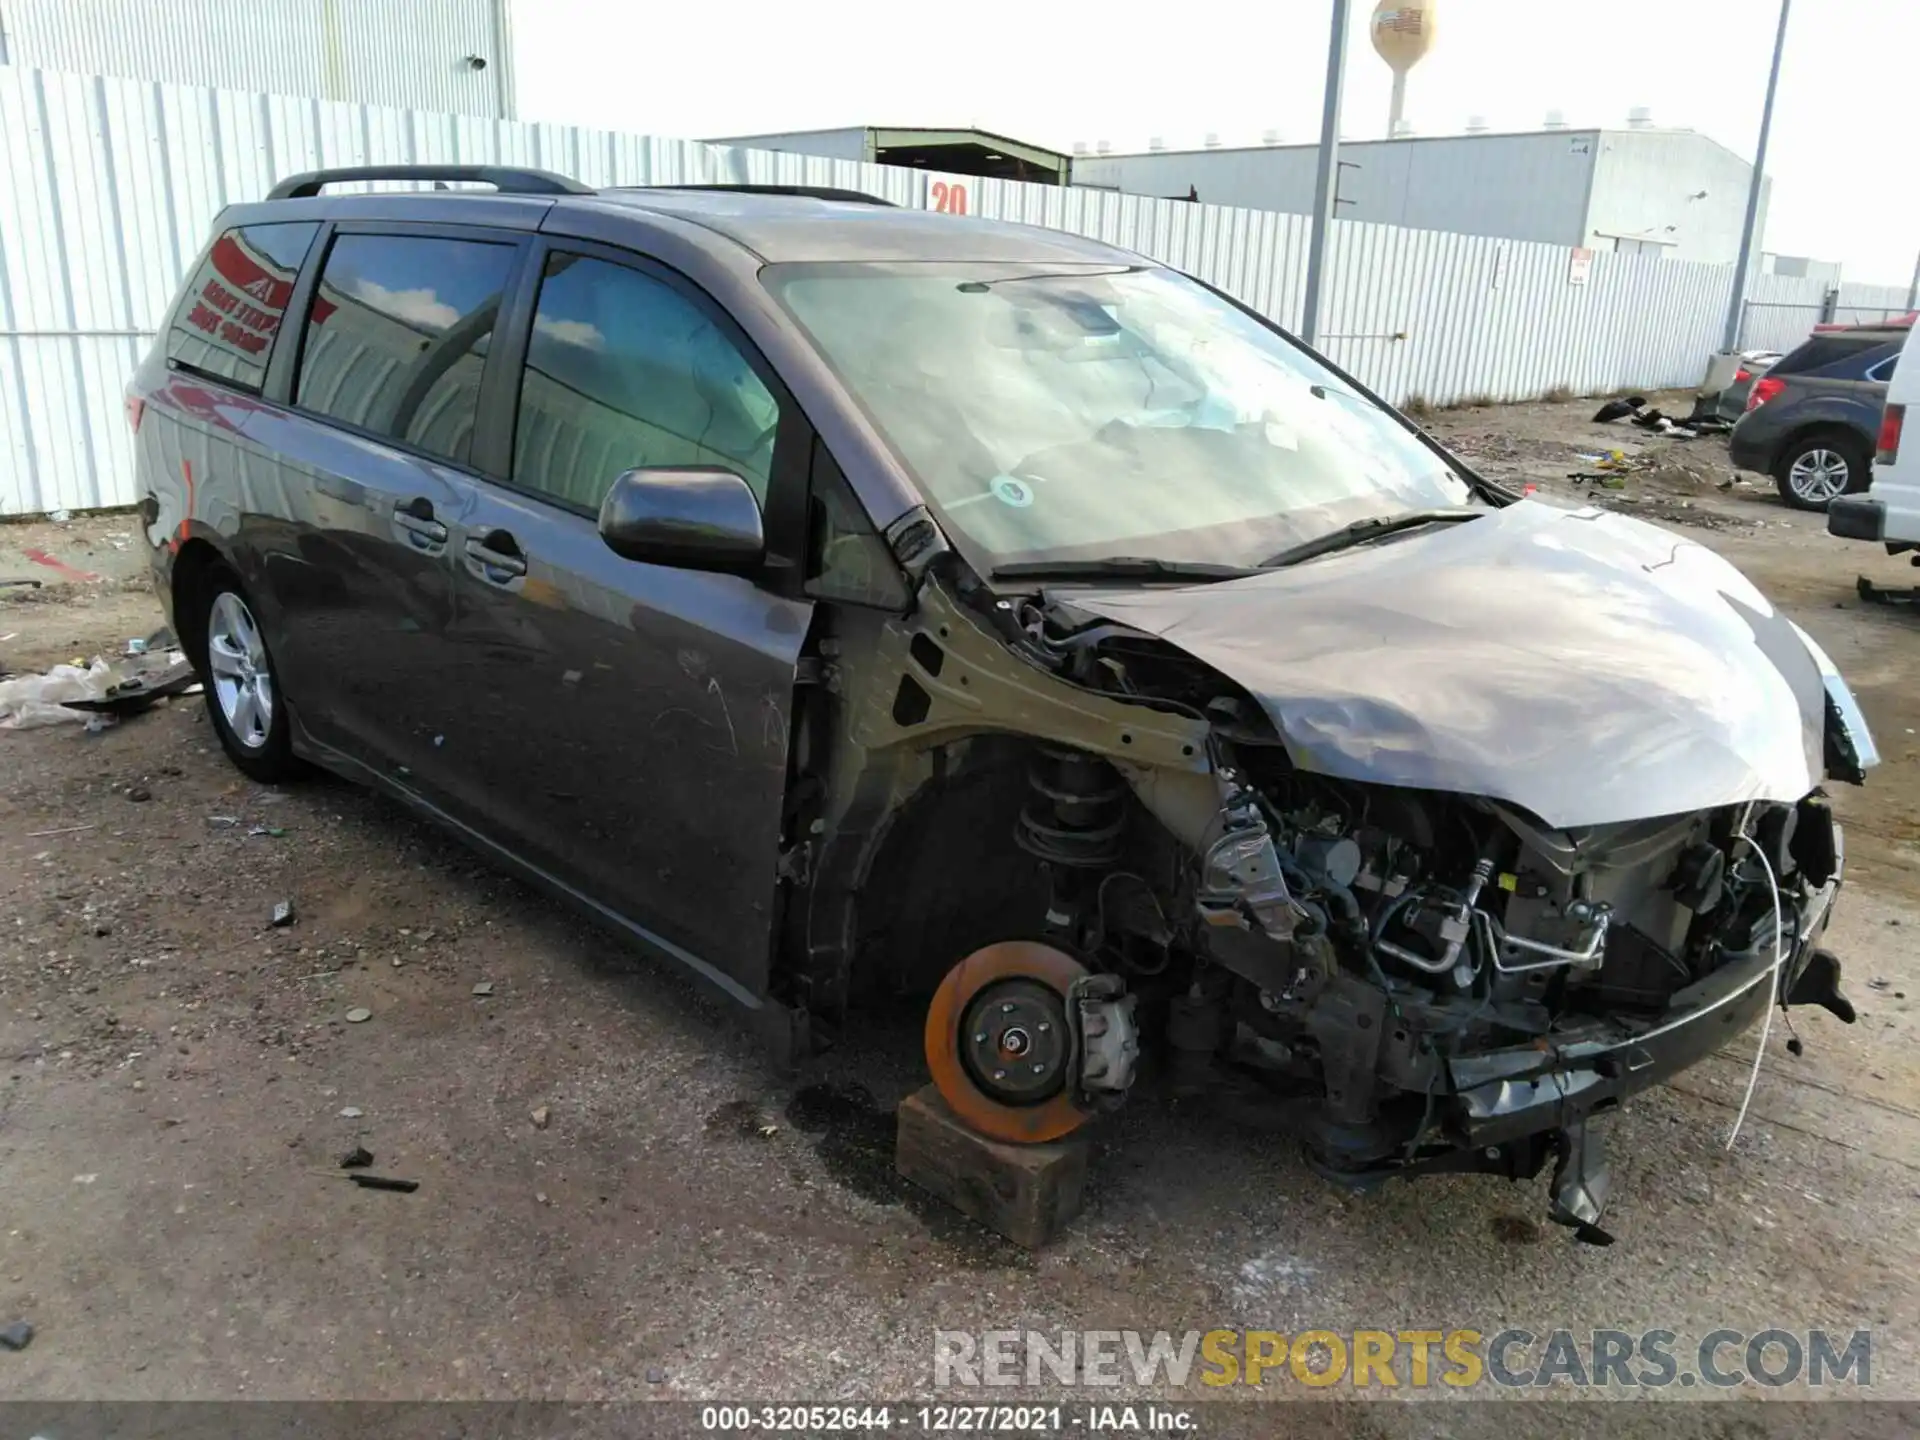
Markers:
point(497, 559)
point(414, 520)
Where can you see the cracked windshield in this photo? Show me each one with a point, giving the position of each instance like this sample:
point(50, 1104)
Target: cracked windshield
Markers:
point(1078, 412)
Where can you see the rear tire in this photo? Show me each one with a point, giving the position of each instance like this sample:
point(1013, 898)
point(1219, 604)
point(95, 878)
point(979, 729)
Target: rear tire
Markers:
point(244, 699)
point(1814, 469)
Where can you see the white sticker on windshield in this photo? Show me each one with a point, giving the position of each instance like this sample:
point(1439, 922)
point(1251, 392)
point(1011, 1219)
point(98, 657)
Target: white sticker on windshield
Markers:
point(1009, 491)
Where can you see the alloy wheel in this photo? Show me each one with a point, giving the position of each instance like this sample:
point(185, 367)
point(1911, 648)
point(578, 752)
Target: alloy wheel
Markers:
point(242, 674)
point(1819, 475)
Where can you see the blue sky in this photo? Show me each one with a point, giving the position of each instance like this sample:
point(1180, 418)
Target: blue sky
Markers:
point(1844, 187)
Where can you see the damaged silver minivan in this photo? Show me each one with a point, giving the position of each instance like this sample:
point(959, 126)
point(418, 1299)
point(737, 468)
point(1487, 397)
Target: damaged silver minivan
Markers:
point(846, 601)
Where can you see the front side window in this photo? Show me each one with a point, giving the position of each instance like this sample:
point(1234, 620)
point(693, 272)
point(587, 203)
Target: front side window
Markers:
point(226, 322)
point(398, 336)
point(623, 371)
point(1059, 412)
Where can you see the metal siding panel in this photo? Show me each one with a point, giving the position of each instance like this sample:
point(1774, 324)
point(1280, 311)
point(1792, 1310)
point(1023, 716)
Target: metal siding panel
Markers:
point(378, 52)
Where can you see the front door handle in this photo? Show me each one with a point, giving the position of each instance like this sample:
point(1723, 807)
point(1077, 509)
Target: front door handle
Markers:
point(414, 520)
point(496, 558)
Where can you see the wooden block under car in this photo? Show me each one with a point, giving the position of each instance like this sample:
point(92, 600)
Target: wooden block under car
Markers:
point(1028, 1193)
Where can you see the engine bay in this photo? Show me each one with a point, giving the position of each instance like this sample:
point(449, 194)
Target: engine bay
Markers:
point(1409, 980)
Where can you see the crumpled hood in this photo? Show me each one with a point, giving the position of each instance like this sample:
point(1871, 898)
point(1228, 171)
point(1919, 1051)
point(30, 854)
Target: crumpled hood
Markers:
point(1584, 666)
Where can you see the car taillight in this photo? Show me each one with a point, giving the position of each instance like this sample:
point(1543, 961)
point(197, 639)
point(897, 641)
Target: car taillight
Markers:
point(1891, 421)
point(136, 407)
point(1764, 389)
point(1742, 375)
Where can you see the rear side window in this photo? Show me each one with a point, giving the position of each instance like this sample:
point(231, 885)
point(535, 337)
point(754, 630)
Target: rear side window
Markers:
point(624, 370)
point(398, 336)
point(1881, 364)
point(1820, 352)
point(226, 322)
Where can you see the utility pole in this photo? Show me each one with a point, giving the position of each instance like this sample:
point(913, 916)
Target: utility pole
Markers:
point(1326, 177)
point(1913, 290)
point(1738, 302)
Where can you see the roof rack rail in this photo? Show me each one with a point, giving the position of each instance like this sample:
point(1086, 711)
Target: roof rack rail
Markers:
point(808, 192)
point(507, 179)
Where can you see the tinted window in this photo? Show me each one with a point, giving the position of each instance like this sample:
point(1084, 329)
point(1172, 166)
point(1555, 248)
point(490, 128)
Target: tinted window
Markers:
point(1822, 351)
point(623, 370)
point(225, 323)
point(399, 335)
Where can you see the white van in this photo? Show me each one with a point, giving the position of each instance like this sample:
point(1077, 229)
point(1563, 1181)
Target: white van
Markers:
point(1889, 510)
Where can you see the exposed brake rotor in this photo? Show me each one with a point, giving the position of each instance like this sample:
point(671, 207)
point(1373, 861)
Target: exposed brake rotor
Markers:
point(1000, 1046)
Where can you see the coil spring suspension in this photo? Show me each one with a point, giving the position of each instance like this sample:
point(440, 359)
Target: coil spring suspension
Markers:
point(1076, 813)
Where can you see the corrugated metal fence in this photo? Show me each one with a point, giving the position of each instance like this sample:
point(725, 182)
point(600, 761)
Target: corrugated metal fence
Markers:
point(1782, 309)
point(112, 185)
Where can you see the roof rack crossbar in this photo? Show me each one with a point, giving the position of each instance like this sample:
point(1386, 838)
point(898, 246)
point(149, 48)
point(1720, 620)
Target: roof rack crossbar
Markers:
point(808, 192)
point(507, 179)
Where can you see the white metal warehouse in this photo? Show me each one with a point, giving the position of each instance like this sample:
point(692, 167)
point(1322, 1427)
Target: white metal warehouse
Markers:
point(1640, 191)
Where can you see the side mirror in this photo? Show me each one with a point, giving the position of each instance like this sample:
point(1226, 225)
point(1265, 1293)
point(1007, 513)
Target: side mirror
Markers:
point(693, 517)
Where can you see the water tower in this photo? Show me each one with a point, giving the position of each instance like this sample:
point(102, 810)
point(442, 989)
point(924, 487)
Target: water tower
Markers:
point(1402, 33)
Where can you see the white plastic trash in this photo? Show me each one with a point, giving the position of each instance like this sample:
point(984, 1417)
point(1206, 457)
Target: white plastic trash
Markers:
point(30, 701)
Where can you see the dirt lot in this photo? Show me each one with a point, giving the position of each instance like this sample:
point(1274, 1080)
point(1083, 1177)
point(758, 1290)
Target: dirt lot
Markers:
point(620, 1199)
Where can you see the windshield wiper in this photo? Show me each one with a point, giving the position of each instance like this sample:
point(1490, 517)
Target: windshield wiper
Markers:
point(1121, 567)
point(1362, 531)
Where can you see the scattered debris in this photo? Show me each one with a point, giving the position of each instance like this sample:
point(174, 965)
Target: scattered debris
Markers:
point(85, 1179)
point(367, 1181)
point(271, 831)
point(359, 1015)
point(132, 688)
point(137, 645)
point(139, 794)
point(541, 1116)
point(1879, 982)
point(656, 1376)
point(358, 1158)
point(17, 1336)
point(1618, 409)
point(62, 830)
point(351, 1112)
point(483, 989)
point(223, 822)
point(384, 1182)
point(30, 701)
point(283, 915)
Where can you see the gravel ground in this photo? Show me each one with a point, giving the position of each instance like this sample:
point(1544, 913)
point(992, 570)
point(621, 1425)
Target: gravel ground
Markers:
point(620, 1199)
